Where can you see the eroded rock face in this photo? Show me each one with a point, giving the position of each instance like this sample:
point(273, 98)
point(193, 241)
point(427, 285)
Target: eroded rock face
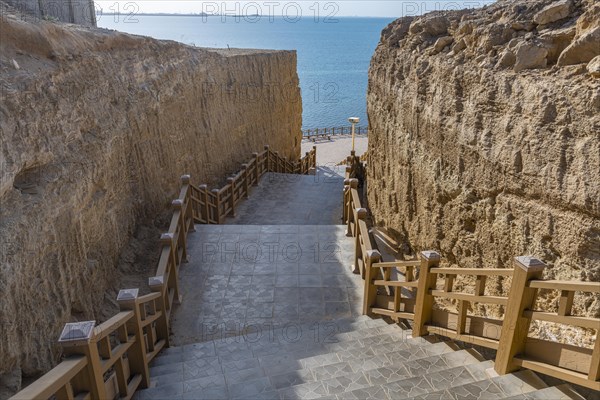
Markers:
point(553, 12)
point(594, 67)
point(96, 129)
point(483, 156)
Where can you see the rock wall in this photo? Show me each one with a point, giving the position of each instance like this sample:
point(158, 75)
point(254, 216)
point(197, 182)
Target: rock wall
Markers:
point(484, 137)
point(96, 129)
point(80, 12)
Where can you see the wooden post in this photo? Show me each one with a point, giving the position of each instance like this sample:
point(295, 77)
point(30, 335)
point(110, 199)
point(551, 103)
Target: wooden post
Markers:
point(177, 205)
point(304, 163)
point(246, 177)
point(268, 159)
point(157, 285)
point(138, 362)
point(231, 183)
point(314, 157)
point(277, 162)
point(205, 208)
point(78, 338)
point(370, 294)
point(345, 194)
point(167, 239)
point(217, 194)
point(256, 168)
point(515, 326)
point(361, 214)
point(424, 301)
point(191, 205)
point(350, 206)
point(594, 374)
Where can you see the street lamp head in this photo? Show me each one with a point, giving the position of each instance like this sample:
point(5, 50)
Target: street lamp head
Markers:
point(354, 120)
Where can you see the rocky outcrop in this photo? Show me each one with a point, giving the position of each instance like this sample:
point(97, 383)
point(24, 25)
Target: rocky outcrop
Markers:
point(96, 129)
point(81, 12)
point(489, 148)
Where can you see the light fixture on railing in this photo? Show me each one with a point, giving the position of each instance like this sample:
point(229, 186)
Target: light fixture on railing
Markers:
point(353, 121)
point(77, 331)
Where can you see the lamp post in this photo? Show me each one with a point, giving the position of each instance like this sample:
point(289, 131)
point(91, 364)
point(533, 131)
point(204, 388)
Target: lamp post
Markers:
point(353, 121)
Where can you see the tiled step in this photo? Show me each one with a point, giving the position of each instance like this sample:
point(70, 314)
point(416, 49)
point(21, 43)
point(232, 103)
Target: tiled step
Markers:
point(499, 387)
point(238, 348)
point(229, 359)
point(562, 392)
point(281, 371)
point(436, 380)
point(322, 332)
point(334, 365)
point(356, 378)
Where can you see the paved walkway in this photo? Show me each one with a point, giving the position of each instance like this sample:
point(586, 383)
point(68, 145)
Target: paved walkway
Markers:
point(287, 199)
point(292, 269)
point(332, 152)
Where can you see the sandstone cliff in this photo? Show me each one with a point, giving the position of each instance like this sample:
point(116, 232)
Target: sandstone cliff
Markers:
point(81, 12)
point(484, 137)
point(96, 129)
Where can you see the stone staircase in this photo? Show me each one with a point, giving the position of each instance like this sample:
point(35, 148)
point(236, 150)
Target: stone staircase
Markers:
point(357, 358)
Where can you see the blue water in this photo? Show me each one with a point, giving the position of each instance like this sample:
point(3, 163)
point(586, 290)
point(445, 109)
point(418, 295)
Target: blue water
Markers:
point(333, 57)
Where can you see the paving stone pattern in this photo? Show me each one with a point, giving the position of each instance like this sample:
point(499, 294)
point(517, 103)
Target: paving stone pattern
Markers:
point(271, 310)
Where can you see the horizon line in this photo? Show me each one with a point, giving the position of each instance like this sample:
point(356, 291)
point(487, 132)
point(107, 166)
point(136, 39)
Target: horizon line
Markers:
point(232, 15)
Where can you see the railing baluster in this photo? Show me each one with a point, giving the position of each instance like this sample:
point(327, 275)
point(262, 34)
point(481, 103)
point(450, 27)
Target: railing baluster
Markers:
point(268, 162)
point(566, 302)
point(594, 374)
point(461, 321)
point(256, 169)
point(205, 206)
point(138, 361)
point(480, 285)
point(449, 282)
point(424, 301)
point(515, 326)
point(350, 210)
point(178, 206)
point(370, 290)
point(79, 338)
point(246, 181)
point(231, 183)
point(361, 214)
point(157, 285)
point(218, 215)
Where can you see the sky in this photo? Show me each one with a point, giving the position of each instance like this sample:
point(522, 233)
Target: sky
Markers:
point(292, 9)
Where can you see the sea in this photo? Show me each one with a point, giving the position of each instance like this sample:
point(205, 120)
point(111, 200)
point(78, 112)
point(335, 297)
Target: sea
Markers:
point(333, 54)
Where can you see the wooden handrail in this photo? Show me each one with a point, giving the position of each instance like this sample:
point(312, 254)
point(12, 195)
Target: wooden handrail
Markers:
point(473, 271)
point(396, 264)
point(111, 325)
point(515, 348)
point(54, 381)
point(582, 322)
point(212, 207)
point(472, 298)
point(572, 286)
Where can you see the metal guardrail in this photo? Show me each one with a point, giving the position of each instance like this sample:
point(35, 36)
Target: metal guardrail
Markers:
point(327, 133)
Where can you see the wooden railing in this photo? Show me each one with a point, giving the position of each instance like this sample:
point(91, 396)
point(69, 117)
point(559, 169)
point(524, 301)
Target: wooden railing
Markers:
point(327, 133)
point(111, 360)
point(408, 290)
point(212, 207)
